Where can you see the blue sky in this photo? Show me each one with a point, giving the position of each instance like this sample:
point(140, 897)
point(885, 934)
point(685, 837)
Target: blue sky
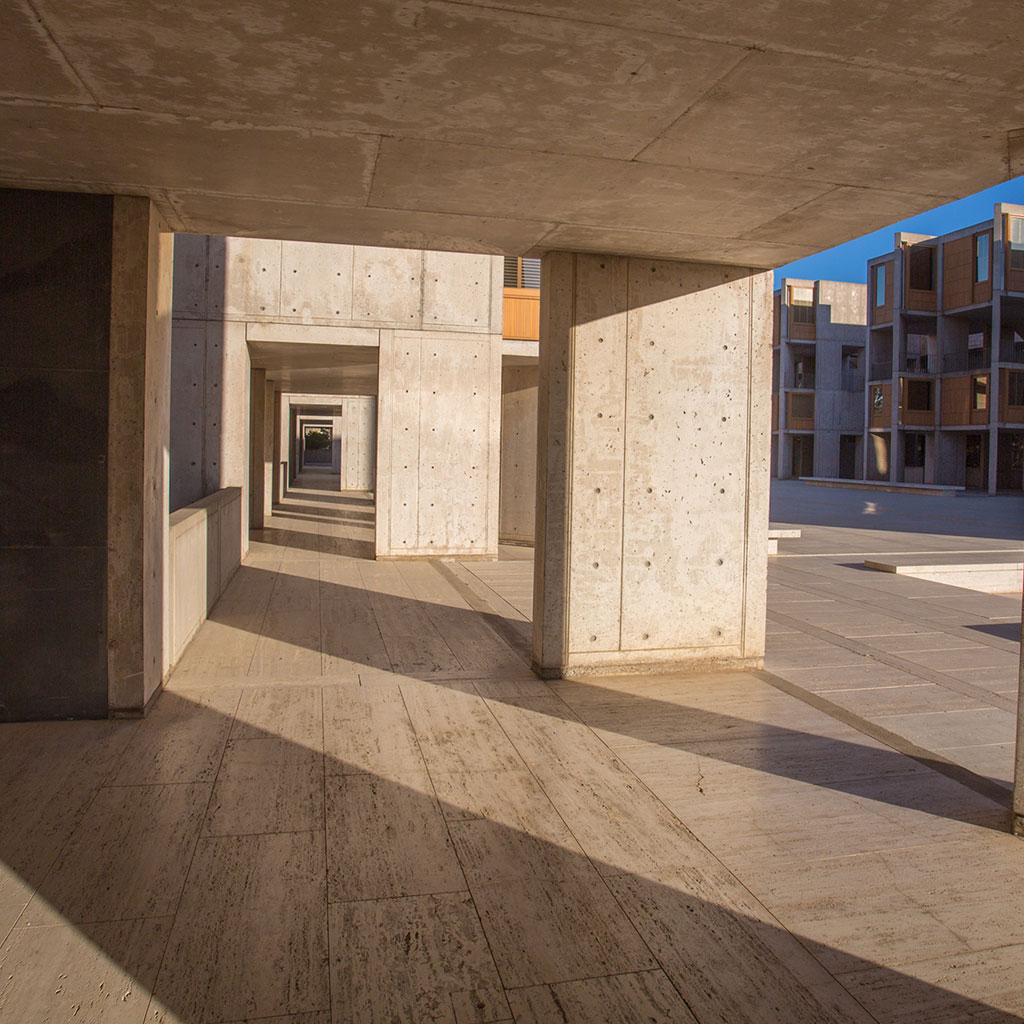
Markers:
point(848, 262)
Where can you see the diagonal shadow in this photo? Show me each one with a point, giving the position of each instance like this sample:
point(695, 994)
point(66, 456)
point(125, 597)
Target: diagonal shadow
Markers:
point(351, 626)
point(304, 850)
point(1003, 630)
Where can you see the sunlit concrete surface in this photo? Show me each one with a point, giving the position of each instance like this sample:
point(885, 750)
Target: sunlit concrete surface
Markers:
point(354, 803)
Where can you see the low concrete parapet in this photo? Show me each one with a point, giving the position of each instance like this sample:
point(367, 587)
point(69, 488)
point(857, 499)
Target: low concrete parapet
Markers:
point(995, 573)
point(204, 550)
point(936, 490)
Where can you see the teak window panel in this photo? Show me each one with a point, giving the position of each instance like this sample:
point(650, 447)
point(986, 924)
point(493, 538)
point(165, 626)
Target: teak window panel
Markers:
point(965, 401)
point(964, 260)
point(800, 412)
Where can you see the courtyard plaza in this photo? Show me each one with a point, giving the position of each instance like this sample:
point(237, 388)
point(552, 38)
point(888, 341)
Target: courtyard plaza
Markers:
point(353, 801)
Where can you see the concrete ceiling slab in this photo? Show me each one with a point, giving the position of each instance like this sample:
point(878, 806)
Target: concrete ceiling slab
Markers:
point(133, 151)
point(841, 123)
point(317, 369)
point(449, 178)
point(734, 131)
point(31, 64)
point(975, 43)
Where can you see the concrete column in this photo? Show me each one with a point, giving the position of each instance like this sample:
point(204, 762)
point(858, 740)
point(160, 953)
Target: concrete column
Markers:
point(277, 449)
point(137, 454)
point(270, 391)
point(518, 500)
point(337, 426)
point(257, 418)
point(438, 437)
point(84, 408)
point(652, 473)
point(1018, 779)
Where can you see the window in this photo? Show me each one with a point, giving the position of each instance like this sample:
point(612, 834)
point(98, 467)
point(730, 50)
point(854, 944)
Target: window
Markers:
point(1016, 451)
point(979, 393)
point(972, 454)
point(981, 247)
point(919, 395)
point(913, 451)
point(922, 268)
point(852, 359)
point(1015, 388)
point(521, 272)
point(880, 285)
point(1017, 243)
point(801, 305)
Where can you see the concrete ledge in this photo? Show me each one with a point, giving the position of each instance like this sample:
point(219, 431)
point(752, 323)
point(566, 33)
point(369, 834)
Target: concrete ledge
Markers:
point(987, 574)
point(439, 556)
point(777, 533)
point(936, 490)
point(204, 550)
point(629, 663)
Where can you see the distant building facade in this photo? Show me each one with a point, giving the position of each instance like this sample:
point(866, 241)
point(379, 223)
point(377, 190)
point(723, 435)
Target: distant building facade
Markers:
point(818, 379)
point(945, 389)
point(924, 383)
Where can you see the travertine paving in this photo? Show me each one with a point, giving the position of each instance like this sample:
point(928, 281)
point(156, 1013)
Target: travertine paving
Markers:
point(354, 803)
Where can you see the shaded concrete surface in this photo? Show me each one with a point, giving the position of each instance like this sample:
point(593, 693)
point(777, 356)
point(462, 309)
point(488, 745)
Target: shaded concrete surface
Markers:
point(354, 803)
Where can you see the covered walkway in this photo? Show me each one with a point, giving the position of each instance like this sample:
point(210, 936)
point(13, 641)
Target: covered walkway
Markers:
point(355, 803)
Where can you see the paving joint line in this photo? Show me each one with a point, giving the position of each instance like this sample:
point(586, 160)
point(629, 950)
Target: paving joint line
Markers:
point(930, 675)
point(963, 632)
point(992, 790)
point(498, 623)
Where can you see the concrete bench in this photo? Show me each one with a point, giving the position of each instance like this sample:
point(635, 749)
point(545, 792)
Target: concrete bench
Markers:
point(777, 533)
point(998, 572)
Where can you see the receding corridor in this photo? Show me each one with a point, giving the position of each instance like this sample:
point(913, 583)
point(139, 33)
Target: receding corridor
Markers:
point(354, 802)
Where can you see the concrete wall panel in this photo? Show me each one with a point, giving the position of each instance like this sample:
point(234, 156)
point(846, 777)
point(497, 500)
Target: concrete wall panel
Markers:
point(188, 417)
point(316, 280)
point(399, 434)
point(358, 443)
point(435, 442)
point(252, 277)
point(518, 498)
point(598, 431)
point(687, 357)
point(190, 275)
point(386, 285)
point(457, 290)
